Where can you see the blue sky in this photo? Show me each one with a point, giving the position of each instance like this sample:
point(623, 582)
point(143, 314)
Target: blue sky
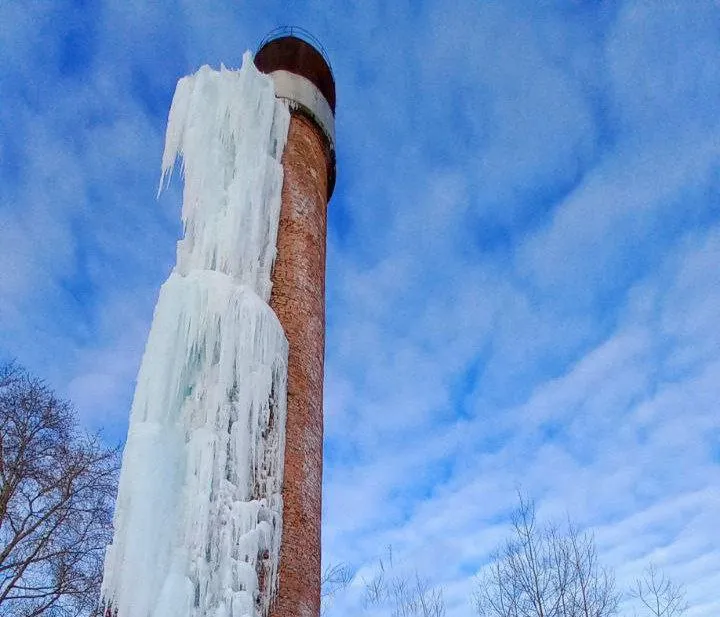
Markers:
point(523, 256)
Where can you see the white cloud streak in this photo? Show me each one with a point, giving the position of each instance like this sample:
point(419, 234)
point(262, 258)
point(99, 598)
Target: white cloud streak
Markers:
point(523, 287)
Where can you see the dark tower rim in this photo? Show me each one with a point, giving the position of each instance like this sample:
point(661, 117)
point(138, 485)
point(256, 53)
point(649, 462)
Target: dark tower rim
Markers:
point(299, 33)
point(295, 50)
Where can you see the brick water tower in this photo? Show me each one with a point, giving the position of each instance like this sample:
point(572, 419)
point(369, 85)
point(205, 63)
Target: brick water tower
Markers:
point(302, 76)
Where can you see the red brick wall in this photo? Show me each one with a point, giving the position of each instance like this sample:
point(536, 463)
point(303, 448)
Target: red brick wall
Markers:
point(298, 299)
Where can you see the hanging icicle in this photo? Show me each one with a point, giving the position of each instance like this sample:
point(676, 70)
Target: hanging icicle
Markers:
point(199, 513)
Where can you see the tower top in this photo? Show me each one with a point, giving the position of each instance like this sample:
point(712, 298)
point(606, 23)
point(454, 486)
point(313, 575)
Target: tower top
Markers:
point(301, 71)
point(294, 49)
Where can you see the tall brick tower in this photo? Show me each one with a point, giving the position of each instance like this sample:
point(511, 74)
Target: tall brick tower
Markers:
point(302, 75)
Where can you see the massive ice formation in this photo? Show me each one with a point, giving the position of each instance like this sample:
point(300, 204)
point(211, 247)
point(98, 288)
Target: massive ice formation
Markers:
point(199, 511)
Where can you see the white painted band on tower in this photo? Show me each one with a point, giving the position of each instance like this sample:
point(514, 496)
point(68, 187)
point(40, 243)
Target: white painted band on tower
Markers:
point(305, 94)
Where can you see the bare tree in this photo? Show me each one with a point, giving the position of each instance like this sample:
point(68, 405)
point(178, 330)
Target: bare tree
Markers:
point(334, 579)
point(403, 596)
point(591, 586)
point(56, 497)
point(659, 595)
point(545, 572)
point(376, 589)
point(415, 598)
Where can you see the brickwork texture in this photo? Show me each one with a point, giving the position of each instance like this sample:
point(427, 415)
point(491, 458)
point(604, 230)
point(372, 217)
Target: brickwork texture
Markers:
point(298, 299)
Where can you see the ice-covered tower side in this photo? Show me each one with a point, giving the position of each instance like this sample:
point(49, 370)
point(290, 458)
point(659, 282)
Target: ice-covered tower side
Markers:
point(303, 78)
point(198, 522)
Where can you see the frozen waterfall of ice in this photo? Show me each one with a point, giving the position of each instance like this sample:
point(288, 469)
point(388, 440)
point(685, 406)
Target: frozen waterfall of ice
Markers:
point(198, 520)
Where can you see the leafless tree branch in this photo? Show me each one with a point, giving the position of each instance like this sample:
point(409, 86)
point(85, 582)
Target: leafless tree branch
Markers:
point(401, 595)
point(545, 572)
point(56, 495)
point(659, 595)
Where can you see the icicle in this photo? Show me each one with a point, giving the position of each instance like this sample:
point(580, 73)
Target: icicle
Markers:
point(199, 512)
